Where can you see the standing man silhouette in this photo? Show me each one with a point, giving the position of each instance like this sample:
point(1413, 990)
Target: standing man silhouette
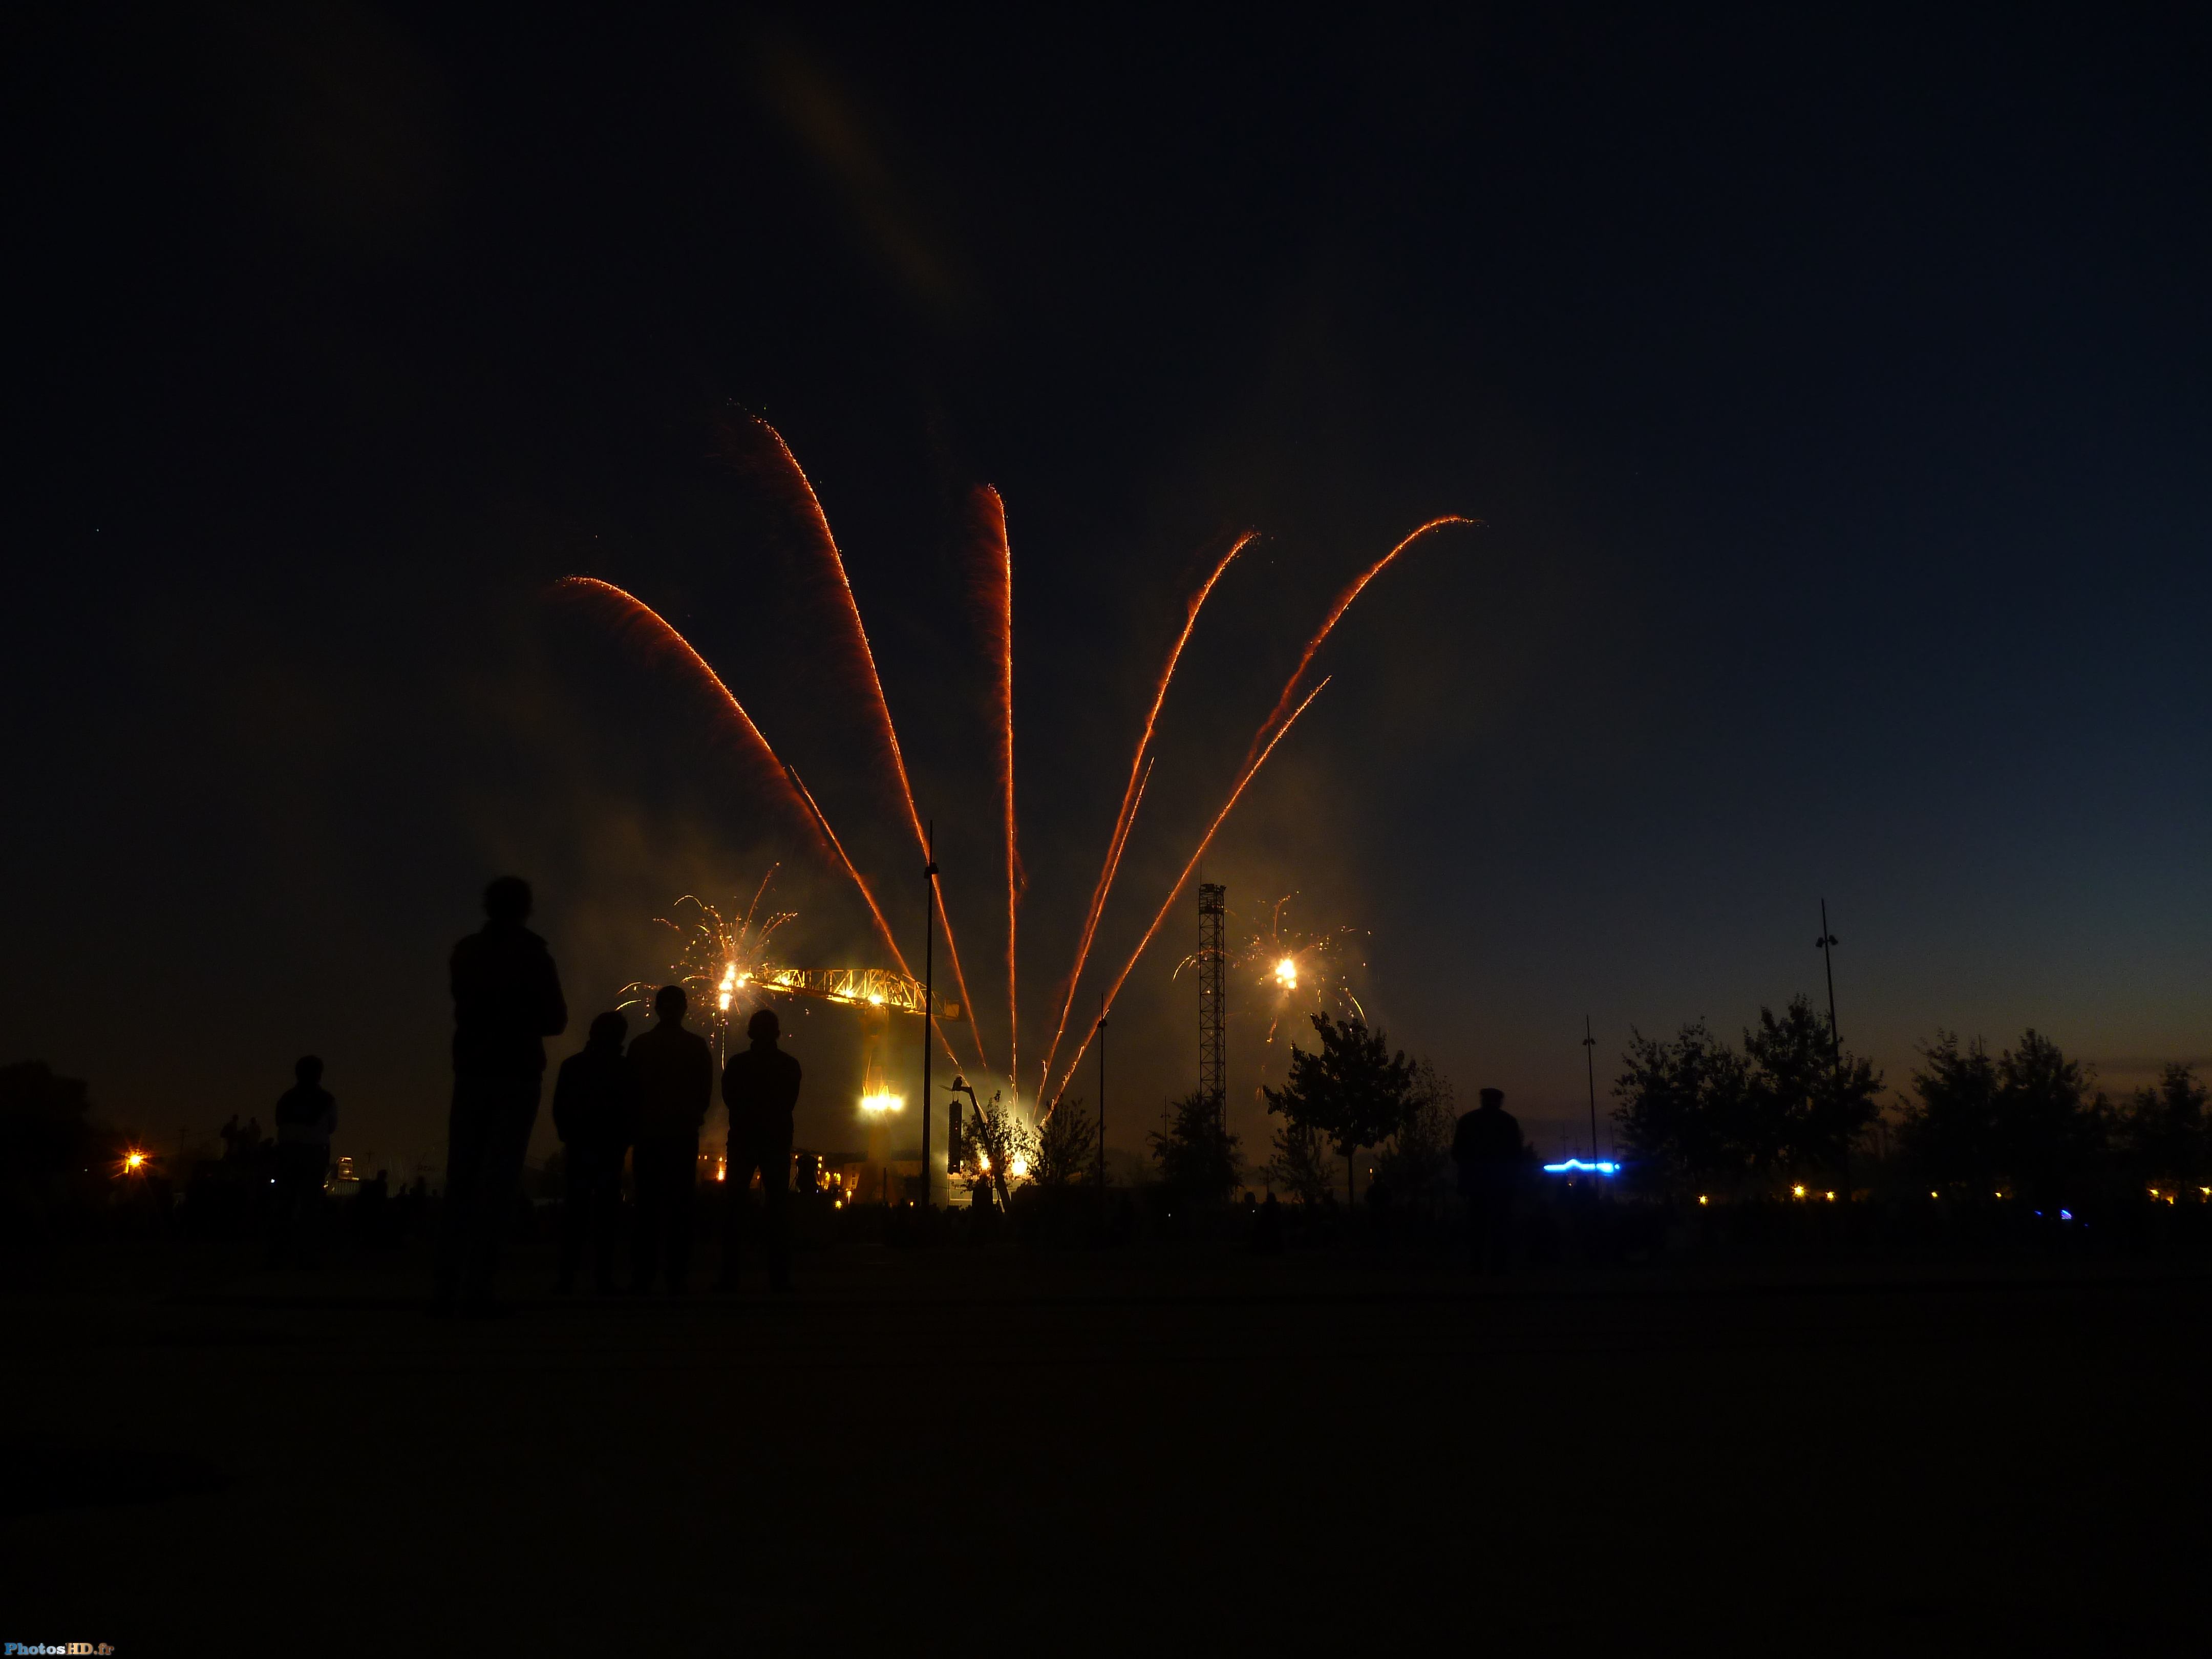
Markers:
point(595, 1109)
point(761, 1088)
point(674, 1073)
point(307, 1117)
point(1487, 1146)
point(507, 1001)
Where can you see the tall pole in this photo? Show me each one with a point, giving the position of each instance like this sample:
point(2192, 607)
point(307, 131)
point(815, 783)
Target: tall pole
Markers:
point(1102, 1101)
point(1590, 1064)
point(1827, 942)
point(929, 995)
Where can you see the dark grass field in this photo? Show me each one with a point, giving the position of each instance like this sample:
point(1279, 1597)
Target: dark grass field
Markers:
point(964, 1450)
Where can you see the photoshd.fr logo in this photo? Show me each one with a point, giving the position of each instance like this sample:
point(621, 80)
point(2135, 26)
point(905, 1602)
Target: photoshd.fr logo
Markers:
point(14, 1648)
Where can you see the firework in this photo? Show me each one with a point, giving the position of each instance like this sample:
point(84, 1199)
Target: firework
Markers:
point(1251, 769)
point(994, 592)
point(1336, 614)
point(718, 951)
point(1286, 972)
point(725, 963)
point(874, 683)
point(657, 640)
point(1133, 794)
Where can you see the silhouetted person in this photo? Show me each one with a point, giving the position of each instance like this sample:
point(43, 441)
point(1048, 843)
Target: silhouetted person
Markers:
point(1267, 1226)
point(307, 1117)
point(672, 1070)
point(506, 1000)
point(594, 1111)
point(760, 1085)
point(1486, 1146)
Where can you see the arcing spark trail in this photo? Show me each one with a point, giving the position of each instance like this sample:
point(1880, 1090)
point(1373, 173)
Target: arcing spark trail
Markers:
point(993, 586)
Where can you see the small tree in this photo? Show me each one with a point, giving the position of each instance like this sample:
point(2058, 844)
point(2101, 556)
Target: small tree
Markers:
point(1196, 1153)
point(1808, 1102)
point(2028, 1117)
point(997, 1141)
point(1300, 1163)
point(1416, 1164)
point(1682, 1105)
point(1354, 1091)
point(1952, 1132)
point(1695, 1111)
point(2050, 1131)
point(2165, 1131)
point(1066, 1146)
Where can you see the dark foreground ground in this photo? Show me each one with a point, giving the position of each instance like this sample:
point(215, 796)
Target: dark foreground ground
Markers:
point(1118, 1454)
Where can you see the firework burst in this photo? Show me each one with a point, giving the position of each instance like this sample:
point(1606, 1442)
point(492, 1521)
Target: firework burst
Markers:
point(724, 963)
point(1288, 973)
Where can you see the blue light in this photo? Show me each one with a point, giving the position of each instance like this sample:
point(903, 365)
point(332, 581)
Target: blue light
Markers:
point(2066, 1215)
point(1574, 1165)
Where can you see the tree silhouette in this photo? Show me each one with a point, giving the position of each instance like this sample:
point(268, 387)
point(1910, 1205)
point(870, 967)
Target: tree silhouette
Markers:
point(1808, 1102)
point(1416, 1166)
point(1790, 1105)
point(2168, 1141)
point(1354, 1091)
point(1953, 1132)
point(2050, 1134)
point(1066, 1146)
point(1300, 1163)
point(2027, 1118)
point(1681, 1107)
point(1196, 1153)
point(997, 1140)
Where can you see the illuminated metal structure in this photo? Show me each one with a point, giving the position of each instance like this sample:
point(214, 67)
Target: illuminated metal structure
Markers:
point(1212, 960)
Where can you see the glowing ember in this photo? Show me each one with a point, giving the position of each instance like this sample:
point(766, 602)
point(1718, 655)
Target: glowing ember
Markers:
point(1287, 973)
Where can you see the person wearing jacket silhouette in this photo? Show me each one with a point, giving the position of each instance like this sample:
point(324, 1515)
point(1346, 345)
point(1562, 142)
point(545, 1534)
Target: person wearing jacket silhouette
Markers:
point(507, 1001)
point(672, 1077)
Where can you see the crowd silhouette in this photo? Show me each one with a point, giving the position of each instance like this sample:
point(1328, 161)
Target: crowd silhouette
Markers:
point(646, 1102)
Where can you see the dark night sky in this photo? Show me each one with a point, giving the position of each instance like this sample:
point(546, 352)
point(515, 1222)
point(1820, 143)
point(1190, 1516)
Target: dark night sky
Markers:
point(1837, 399)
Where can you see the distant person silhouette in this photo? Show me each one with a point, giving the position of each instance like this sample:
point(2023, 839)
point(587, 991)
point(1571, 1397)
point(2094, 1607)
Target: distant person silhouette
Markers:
point(595, 1109)
point(506, 1000)
point(760, 1085)
point(1267, 1226)
point(1487, 1148)
point(307, 1117)
point(672, 1070)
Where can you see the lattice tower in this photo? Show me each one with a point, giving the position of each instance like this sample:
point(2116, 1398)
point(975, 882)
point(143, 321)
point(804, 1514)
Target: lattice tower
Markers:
point(1212, 1002)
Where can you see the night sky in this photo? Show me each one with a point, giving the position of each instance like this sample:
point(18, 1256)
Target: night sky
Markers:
point(1836, 399)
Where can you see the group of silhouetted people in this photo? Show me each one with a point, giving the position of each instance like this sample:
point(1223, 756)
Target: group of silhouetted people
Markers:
point(649, 1101)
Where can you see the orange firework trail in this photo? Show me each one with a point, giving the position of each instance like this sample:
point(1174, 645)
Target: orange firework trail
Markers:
point(1336, 614)
point(1134, 791)
point(828, 543)
point(1251, 767)
point(883, 927)
point(657, 637)
point(660, 638)
point(994, 590)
